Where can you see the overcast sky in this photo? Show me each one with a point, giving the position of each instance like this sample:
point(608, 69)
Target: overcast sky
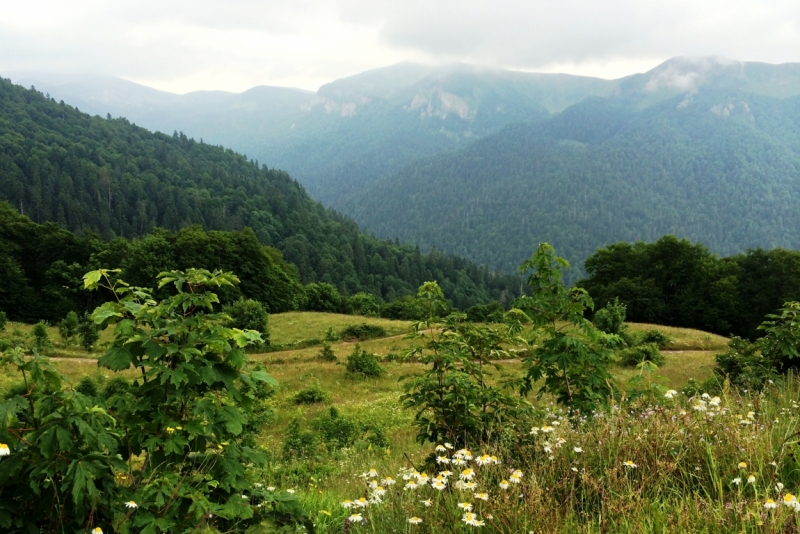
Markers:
point(185, 45)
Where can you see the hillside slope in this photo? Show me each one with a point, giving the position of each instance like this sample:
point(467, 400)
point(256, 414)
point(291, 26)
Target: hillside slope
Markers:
point(718, 166)
point(110, 177)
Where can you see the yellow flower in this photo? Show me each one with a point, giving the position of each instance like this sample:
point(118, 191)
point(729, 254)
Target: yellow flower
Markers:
point(629, 464)
point(465, 506)
point(170, 430)
point(751, 479)
point(504, 484)
point(97, 530)
point(742, 465)
point(325, 512)
point(770, 504)
point(4, 450)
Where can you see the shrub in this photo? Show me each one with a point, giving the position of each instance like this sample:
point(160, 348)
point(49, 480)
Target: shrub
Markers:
point(362, 332)
point(86, 386)
point(249, 314)
point(68, 326)
point(485, 313)
point(326, 353)
point(331, 335)
point(656, 337)
point(359, 363)
point(88, 332)
point(610, 318)
point(311, 394)
point(336, 430)
point(116, 386)
point(363, 304)
point(406, 308)
point(3, 320)
point(41, 339)
point(745, 366)
point(322, 297)
point(633, 356)
point(300, 443)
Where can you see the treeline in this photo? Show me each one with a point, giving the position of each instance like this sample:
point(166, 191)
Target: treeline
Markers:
point(42, 267)
point(675, 282)
point(103, 179)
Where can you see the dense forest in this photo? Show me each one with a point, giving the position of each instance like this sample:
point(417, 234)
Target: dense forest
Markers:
point(675, 282)
point(104, 179)
point(718, 167)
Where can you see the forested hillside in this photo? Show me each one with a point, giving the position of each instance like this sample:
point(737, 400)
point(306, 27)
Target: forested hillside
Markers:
point(717, 166)
point(678, 283)
point(89, 174)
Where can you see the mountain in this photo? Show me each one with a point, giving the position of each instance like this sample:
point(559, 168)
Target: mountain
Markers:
point(704, 149)
point(108, 177)
point(352, 131)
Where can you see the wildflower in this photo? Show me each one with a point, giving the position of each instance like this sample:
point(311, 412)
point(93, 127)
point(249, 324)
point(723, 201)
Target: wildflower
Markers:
point(427, 502)
point(290, 490)
point(411, 485)
point(547, 448)
point(423, 478)
point(547, 429)
point(790, 500)
point(438, 485)
point(448, 446)
point(347, 503)
point(321, 511)
point(465, 506)
point(483, 460)
point(779, 487)
point(472, 519)
point(577, 449)
point(414, 520)
point(361, 503)
point(97, 530)
point(440, 448)
point(736, 481)
point(271, 488)
point(4, 450)
point(700, 407)
point(470, 485)
point(388, 481)
point(258, 485)
point(629, 464)
point(751, 479)
point(482, 496)
point(742, 465)
point(170, 430)
point(373, 484)
point(445, 473)
point(494, 460)
point(706, 396)
point(379, 491)
point(372, 473)
point(355, 518)
point(770, 504)
point(715, 401)
point(516, 477)
point(442, 460)
point(467, 474)
point(670, 394)
point(575, 469)
point(504, 484)
point(535, 430)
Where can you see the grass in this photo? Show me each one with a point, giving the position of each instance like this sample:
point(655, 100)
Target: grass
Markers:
point(685, 338)
point(294, 327)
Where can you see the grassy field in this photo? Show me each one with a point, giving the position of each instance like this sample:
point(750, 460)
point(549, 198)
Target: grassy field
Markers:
point(689, 481)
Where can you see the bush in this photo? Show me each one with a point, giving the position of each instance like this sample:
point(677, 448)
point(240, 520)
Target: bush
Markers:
point(322, 297)
point(87, 387)
point(485, 313)
point(311, 394)
point(610, 318)
point(745, 366)
point(326, 353)
point(647, 352)
point(331, 335)
point(363, 304)
point(300, 443)
point(656, 337)
point(362, 332)
point(116, 386)
point(405, 308)
point(3, 320)
point(249, 314)
point(359, 363)
point(335, 430)
point(41, 339)
point(68, 327)
point(88, 332)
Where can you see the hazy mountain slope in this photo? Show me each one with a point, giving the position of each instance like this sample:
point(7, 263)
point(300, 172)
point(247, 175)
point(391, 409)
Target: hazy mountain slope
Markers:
point(716, 166)
point(108, 176)
point(352, 131)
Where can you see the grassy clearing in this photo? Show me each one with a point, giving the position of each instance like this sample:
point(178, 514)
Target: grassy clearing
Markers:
point(685, 338)
point(293, 327)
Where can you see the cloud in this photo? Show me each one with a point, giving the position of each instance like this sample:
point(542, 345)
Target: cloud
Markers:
point(181, 45)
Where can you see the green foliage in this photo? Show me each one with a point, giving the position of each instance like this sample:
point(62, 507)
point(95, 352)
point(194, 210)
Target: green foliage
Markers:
point(326, 353)
point(322, 297)
point(406, 308)
point(41, 339)
point(363, 365)
point(363, 304)
point(88, 332)
point(647, 352)
point(311, 394)
point(331, 335)
point(744, 365)
point(654, 336)
point(452, 398)
point(300, 443)
point(610, 318)
point(3, 320)
point(485, 313)
point(68, 327)
point(572, 360)
point(781, 342)
point(362, 332)
point(118, 386)
point(248, 314)
point(87, 387)
point(187, 416)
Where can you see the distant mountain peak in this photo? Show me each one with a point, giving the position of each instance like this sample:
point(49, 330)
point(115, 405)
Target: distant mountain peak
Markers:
point(686, 74)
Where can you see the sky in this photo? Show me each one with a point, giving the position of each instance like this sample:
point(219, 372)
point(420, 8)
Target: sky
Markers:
point(181, 45)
